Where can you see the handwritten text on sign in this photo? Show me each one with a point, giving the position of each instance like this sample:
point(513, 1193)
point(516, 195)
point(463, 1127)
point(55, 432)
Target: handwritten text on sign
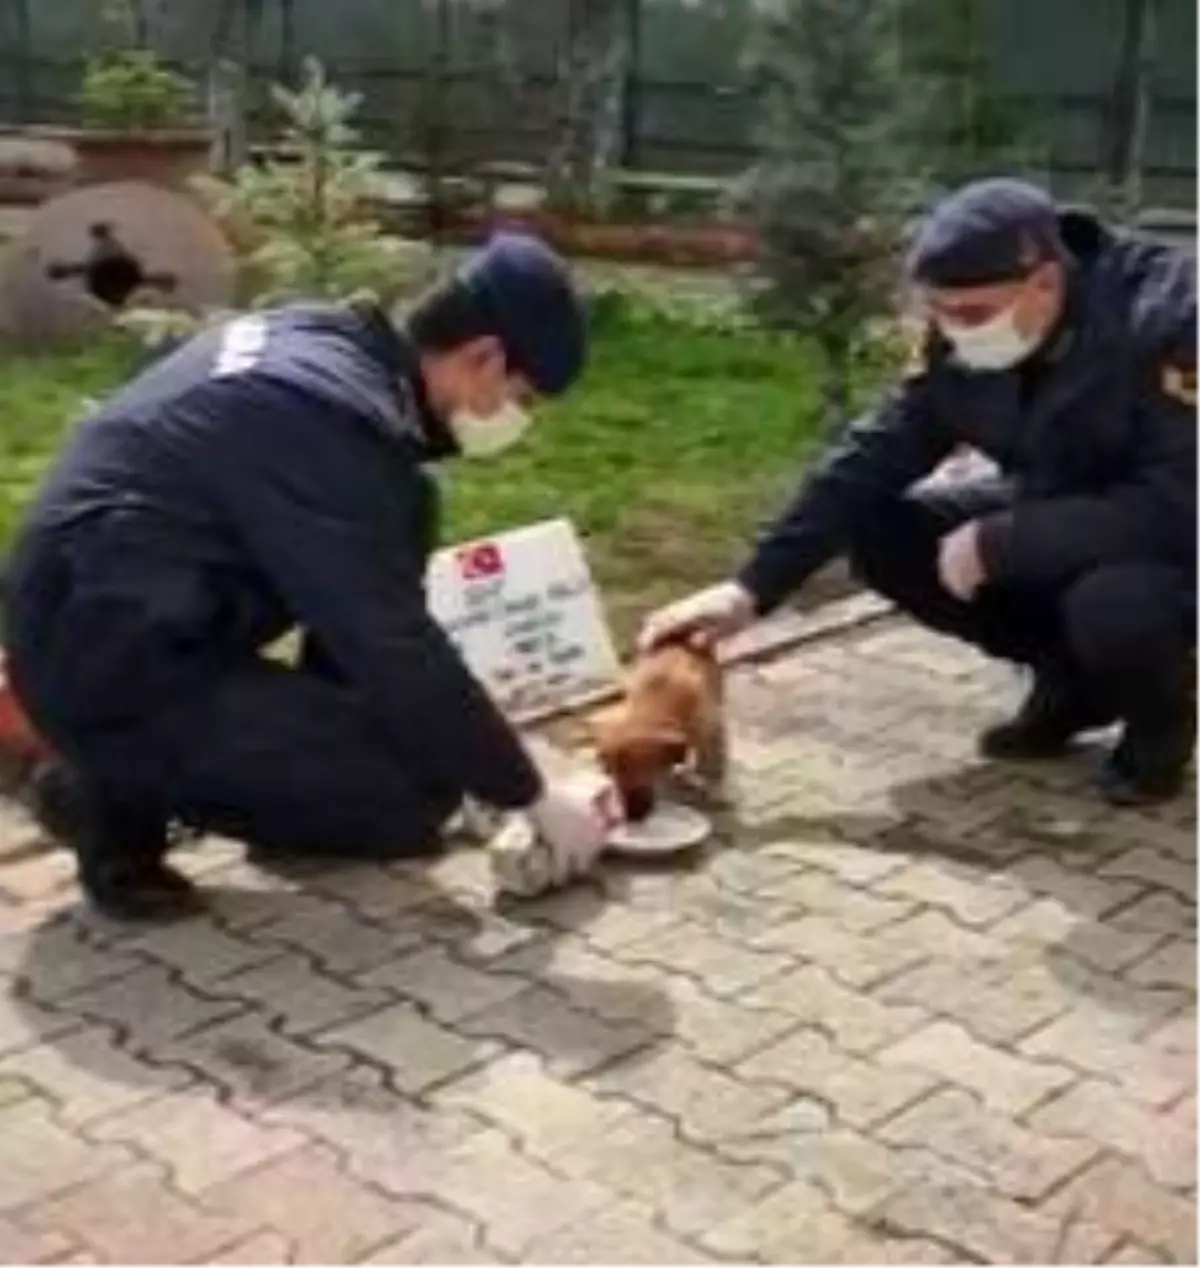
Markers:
point(522, 610)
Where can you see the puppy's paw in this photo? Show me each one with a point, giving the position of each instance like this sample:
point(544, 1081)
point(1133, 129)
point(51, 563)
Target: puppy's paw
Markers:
point(695, 790)
point(474, 822)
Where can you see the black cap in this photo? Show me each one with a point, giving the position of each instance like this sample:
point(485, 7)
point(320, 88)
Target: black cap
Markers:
point(989, 231)
point(526, 289)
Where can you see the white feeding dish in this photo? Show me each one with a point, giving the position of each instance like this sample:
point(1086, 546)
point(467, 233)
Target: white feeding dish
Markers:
point(668, 829)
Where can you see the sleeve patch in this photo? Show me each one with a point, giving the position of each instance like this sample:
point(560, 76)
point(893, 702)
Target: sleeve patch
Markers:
point(1180, 384)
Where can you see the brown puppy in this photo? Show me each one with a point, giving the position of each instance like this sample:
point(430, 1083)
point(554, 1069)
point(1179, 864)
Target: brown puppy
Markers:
point(673, 710)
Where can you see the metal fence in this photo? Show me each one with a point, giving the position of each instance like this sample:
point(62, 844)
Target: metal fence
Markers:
point(686, 106)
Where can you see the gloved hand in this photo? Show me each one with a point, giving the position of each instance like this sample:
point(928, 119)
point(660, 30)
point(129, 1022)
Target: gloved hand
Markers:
point(703, 618)
point(574, 819)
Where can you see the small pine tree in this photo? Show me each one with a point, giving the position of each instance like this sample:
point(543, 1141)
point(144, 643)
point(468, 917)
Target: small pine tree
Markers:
point(316, 238)
point(839, 172)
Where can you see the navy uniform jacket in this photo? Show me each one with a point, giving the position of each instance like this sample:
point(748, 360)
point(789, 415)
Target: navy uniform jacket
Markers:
point(265, 473)
point(1099, 437)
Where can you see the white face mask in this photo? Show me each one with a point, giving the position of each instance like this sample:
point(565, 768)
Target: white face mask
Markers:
point(993, 345)
point(481, 435)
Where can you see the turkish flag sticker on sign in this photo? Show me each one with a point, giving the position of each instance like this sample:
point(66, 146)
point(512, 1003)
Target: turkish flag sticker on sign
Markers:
point(480, 561)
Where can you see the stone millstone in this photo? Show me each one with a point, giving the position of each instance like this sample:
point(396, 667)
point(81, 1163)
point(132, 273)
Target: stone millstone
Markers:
point(167, 233)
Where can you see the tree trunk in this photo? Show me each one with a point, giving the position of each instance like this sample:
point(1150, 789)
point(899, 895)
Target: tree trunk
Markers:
point(838, 359)
point(141, 27)
point(229, 82)
point(1130, 110)
point(287, 39)
point(593, 83)
point(630, 87)
point(227, 116)
point(23, 66)
point(434, 132)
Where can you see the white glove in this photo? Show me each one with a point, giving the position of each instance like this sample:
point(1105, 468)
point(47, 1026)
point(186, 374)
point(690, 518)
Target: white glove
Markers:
point(704, 618)
point(574, 819)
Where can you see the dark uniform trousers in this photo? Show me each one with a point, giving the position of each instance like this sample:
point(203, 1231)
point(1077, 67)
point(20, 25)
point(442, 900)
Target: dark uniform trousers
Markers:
point(1121, 634)
point(287, 760)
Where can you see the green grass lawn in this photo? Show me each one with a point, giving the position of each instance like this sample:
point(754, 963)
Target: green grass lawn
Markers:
point(679, 441)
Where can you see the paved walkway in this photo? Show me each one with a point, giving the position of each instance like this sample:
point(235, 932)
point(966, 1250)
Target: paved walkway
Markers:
point(916, 1011)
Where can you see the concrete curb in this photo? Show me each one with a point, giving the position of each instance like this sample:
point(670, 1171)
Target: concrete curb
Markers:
point(785, 632)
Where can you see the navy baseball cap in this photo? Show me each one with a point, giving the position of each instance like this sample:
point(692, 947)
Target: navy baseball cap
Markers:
point(526, 290)
point(989, 231)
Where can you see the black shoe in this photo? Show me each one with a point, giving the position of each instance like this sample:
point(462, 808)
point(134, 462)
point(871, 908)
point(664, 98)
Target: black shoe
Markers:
point(1148, 766)
point(121, 869)
point(1050, 718)
point(55, 799)
point(151, 892)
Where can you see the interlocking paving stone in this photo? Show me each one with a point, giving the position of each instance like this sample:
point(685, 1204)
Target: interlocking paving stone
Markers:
point(620, 1234)
point(249, 1060)
point(330, 1218)
point(690, 1188)
point(200, 1141)
point(417, 1052)
point(59, 960)
point(24, 1024)
point(859, 1093)
point(570, 1040)
point(301, 999)
point(152, 1007)
point(38, 1157)
point(22, 1246)
point(1005, 1156)
point(87, 1077)
point(1164, 1143)
point(1006, 1083)
point(917, 1008)
point(132, 1217)
point(449, 990)
point(543, 1114)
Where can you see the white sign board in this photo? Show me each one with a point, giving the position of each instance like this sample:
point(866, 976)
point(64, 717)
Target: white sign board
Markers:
point(522, 610)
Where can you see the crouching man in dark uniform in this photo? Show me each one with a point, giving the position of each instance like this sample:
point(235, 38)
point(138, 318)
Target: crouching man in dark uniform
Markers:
point(264, 474)
point(1068, 356)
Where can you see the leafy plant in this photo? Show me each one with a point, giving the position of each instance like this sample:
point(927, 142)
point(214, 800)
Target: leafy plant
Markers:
point(309, 215)
point(132, 89)
point(127, 85)
point(840, 170)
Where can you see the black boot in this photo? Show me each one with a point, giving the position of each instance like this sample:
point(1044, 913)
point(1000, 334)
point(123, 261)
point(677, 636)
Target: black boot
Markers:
point(1149, 764)
point(1052, 715)
point(147, 891)
point(120, 851)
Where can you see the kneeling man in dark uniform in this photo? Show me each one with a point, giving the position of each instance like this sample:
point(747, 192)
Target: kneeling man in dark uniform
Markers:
point(1068, 356)
point(267, 473)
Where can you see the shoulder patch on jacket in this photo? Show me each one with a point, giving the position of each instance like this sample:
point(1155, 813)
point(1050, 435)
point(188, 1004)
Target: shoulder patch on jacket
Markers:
point(242, 343)
point(1179, 383)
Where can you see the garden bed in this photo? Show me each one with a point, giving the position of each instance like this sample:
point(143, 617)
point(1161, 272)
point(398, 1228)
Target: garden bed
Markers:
point(696, 245)
point(165, 157)
point(701, 244)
